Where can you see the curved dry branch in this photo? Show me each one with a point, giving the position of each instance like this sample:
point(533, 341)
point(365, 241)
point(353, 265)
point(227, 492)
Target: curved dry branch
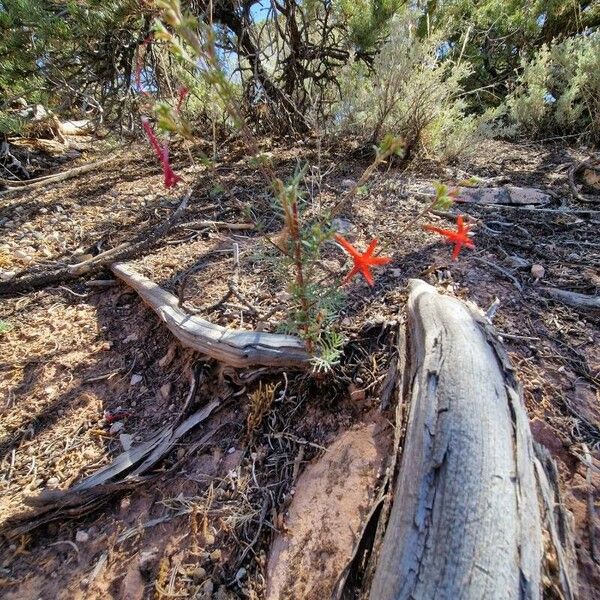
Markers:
point(235, 348)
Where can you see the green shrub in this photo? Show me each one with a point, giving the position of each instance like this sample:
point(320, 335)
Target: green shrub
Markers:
point(558, 91)
point(412, 92)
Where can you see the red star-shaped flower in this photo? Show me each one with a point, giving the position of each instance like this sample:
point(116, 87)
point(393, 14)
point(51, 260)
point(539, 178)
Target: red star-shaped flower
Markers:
point(459, 238)
point(362, 262)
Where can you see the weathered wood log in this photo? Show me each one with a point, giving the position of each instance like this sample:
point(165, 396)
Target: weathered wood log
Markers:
point(235, 348)
point(474, 514)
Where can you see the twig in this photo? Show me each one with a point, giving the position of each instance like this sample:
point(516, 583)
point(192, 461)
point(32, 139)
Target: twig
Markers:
point(591, 512)
point(573, 299)
point(490, 313)
point(501, 270)
point(215, 224)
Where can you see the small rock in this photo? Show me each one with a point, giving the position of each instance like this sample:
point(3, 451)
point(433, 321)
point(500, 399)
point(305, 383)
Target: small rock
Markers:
point(537, 271)
point(84, 257)
point(165, 390)
point(283, 296)
point(135, 379)
point(132, 337)
point(342, 226)
point(82, 536)
point(116, 427)
point(132, 585)
point(356, 394)
point(517, 262)
point(208, 587)
point(199, 574)
point(209, 538)
point(240, 574)
point(126, 441)
point(22, 255)
point(43, 210)
point(7, 275)
point(348, 183)
point(53, 482)
point(346, 322)
point(215, 555)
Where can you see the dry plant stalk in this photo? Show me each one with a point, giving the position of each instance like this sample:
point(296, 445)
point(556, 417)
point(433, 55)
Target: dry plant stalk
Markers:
point(260, 403)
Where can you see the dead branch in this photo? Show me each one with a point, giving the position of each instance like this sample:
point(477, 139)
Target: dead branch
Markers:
point(214, 224)
point(234, 348)
point(122, 474)
point(32, 184)
point(475, 508)
point(573, 299)
point(31, 281)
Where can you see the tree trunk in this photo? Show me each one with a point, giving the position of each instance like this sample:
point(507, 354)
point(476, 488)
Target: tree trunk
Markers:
point(474, 515)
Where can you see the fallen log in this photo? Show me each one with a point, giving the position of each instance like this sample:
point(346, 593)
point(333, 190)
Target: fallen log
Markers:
point(232, 347)
point(475, 514)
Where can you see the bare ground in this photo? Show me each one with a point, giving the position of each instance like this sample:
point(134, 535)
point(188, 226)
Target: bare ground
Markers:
point(78, 358)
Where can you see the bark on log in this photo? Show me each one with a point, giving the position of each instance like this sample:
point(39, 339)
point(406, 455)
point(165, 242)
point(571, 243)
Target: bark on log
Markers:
point(235, 348)
point(474, 514)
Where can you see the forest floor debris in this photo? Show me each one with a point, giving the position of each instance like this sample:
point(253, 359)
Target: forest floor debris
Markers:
point(69, 355)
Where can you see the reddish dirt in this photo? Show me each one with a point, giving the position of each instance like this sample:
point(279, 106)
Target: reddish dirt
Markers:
point(331, 500)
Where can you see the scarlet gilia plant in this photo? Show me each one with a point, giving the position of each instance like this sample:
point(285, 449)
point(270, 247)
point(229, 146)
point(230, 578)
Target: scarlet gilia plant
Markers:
point(162, 153)
point(315, 300)
point(316, 295)
point(182, 92)
point(460, 237)
point(362, 262)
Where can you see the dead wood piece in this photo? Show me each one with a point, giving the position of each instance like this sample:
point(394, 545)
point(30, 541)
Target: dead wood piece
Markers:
point(55, 178)
point(31, 281)
point(123, 473)
point(573, 170)
point(216, 225)
point(573, 299)
point(471, 500)
point(234, 348)
point(508, 194)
